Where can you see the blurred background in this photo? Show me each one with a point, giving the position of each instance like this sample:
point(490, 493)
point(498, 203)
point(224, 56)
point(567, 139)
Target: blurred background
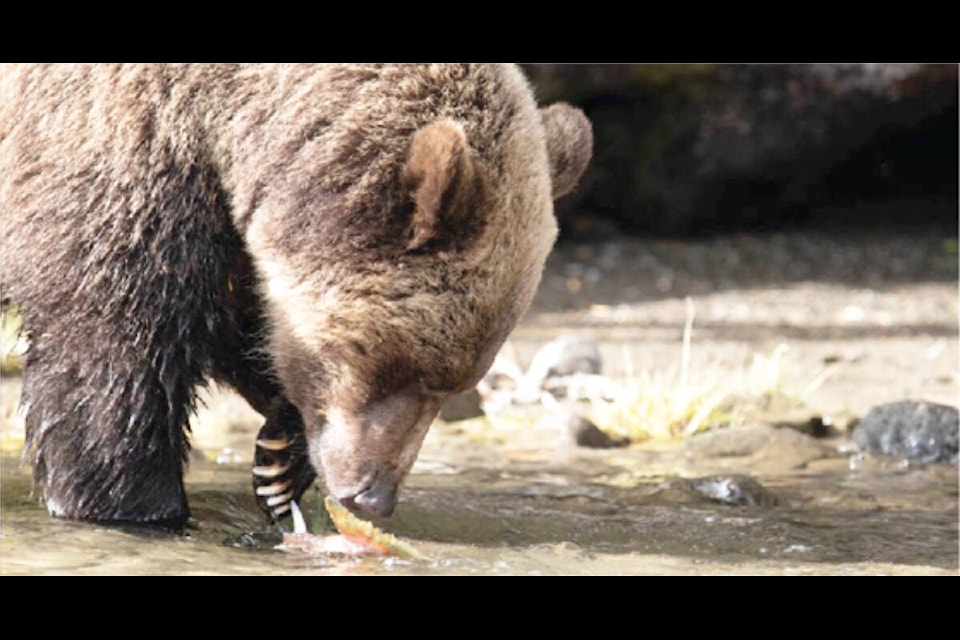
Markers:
point(700, 148)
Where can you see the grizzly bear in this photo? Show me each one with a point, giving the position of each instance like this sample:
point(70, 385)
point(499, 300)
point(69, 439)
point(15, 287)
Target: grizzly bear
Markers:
point(345, 245)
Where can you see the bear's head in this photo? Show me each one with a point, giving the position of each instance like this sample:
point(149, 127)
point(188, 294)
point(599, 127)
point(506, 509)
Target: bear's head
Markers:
point(393, 294)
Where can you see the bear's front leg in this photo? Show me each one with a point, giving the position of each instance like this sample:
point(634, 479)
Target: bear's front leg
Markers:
point(282, 470)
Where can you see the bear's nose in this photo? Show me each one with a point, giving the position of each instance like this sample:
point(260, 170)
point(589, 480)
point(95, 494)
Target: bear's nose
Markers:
point(379, 500)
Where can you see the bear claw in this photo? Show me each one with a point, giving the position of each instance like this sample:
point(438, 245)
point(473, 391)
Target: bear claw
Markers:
point(273, 489)
point(273, 445)
point(271, 471)
point(281, 499)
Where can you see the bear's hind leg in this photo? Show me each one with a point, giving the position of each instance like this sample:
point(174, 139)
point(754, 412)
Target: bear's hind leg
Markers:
point(106, 428)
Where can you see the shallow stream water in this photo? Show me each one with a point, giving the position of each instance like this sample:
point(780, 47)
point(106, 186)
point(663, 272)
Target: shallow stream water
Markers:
point(482, 508)
point(868, 319)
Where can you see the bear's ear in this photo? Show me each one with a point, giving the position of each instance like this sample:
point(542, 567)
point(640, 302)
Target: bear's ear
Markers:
point(445, 185)
point(569, 145)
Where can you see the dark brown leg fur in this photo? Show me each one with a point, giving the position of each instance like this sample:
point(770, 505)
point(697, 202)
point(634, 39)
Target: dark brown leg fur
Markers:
point(107, 439)
point(110, 378)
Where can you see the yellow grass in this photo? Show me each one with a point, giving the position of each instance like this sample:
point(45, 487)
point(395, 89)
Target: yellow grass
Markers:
point(12, 344)
point(682, 401)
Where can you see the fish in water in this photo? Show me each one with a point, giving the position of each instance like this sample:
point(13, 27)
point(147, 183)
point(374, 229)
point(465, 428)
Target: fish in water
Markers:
point(356, 537)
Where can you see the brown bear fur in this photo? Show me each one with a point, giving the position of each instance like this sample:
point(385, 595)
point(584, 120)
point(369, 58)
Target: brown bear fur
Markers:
point(344, 244)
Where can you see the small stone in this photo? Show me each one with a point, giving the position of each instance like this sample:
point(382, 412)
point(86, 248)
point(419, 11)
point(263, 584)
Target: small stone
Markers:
point(911, 429)
point(735, 490)
point(462, 406)
point(580, 431)
point(815, 427)
point(587, 434)
point(504, 372)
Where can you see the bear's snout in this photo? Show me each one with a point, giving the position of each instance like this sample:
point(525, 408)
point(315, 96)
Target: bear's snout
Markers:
point(364, 453)
point(380, 499)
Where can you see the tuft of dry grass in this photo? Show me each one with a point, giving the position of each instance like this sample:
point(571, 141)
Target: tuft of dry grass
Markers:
point(682, 401)
point(13, 345)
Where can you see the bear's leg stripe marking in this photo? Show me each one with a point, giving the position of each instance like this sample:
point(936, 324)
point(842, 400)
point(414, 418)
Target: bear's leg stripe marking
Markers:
point(273, 489)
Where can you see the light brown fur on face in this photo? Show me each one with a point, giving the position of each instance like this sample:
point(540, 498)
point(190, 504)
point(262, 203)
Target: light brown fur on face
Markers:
point(382, 229)
point(437, 307)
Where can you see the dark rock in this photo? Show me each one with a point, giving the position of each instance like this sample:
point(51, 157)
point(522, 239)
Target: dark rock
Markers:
point(571, 428)
point(690, 146)
point(815, 427)
point(462, 406)
point(587, 434)
point(915, 430)
point(735, 490)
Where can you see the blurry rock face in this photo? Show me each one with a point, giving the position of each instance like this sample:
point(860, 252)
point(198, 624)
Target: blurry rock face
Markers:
point(921, 431)
point(682, 147)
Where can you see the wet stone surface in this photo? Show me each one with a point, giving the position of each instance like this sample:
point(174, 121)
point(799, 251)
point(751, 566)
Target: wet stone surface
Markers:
point(758, 447)
point(733, 490)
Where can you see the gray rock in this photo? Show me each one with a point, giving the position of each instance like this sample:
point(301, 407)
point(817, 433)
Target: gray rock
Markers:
point(504, 371)
point(565, 356)
point(462, 406)
point(915, 430)
point(582, 386)
point(736, 490)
